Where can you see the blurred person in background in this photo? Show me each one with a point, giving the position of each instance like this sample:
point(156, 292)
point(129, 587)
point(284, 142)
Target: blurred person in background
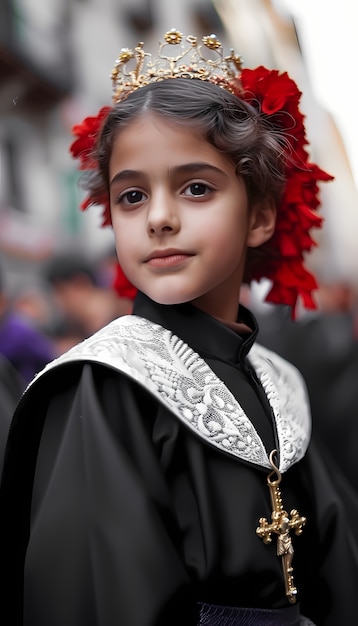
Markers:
point(86, 302)
point(30, 300)
point(22, 339)
point(65, 333)
point(323, 345)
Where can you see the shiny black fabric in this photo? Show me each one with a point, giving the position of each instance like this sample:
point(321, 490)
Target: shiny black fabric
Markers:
point(10, 394)
point(134, 519)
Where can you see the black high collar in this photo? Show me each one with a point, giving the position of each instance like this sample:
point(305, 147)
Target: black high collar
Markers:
point(206, 335)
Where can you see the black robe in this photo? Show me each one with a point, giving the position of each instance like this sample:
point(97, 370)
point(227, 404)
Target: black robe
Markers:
point(11, 388)
point(134, 518)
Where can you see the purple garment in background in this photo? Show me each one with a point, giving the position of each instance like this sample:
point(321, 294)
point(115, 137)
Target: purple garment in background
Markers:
point(24, 345)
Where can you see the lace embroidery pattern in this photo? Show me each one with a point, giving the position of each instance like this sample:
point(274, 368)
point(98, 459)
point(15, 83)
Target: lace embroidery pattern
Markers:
point(180, 378)
point(287, 396)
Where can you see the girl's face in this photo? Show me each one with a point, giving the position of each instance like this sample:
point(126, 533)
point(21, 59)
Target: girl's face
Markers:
point(180, 216)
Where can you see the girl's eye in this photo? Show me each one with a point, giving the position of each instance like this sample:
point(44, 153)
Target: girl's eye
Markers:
point(197, 190)
point(131, 197)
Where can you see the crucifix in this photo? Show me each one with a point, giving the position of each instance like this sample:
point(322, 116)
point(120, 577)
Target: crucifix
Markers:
point(281, 525)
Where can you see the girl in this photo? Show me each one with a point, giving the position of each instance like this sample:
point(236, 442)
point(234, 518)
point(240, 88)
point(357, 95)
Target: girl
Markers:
point(167, 472)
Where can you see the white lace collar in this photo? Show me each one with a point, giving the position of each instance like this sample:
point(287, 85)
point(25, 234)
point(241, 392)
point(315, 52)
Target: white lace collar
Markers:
point(182, 380)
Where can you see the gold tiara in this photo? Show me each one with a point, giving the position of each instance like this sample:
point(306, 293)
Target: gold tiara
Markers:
point(201, 59)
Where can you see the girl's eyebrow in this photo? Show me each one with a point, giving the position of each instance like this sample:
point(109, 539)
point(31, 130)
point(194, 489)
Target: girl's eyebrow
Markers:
point(187, 168)
point(192, 168)
point(125, 175)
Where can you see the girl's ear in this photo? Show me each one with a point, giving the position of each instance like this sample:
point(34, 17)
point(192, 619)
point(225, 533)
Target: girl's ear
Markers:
point(262, 222)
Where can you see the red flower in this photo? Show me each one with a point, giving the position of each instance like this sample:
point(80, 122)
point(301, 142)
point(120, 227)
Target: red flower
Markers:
point(83, 148)
point(87, 132)
point(274, 91)
point(277, 95)
point(122, 286)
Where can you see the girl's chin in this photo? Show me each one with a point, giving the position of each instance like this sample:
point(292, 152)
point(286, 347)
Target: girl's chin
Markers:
point(168, 298)
point(168, 301)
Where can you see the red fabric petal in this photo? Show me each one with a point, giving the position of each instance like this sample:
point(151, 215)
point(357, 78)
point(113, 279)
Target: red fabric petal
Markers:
point(82, 148)
point(122, 286)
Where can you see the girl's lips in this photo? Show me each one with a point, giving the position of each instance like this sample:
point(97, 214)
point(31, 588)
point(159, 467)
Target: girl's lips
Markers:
point(168, 260)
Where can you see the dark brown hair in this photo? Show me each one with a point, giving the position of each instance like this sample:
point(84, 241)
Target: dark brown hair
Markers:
point(231, 125)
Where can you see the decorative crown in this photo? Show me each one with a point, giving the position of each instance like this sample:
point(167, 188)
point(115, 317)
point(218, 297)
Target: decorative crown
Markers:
point(201, 59)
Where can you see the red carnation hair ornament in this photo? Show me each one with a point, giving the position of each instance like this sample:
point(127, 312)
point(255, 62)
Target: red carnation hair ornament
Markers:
point(270, 92)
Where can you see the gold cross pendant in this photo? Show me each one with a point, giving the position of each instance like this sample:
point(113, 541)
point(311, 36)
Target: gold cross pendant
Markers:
point(281, 524)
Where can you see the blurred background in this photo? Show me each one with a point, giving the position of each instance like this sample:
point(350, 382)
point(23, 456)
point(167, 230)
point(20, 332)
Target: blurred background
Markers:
point(55, 63)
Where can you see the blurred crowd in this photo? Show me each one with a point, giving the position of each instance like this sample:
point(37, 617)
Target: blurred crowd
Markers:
point(73, 297)
point(323, 345)
point(39, 320)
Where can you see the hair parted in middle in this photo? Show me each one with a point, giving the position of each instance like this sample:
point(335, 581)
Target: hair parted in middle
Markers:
point(234, 127)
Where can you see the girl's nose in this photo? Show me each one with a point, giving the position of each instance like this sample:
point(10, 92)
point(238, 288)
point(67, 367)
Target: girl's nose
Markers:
point(162, 215)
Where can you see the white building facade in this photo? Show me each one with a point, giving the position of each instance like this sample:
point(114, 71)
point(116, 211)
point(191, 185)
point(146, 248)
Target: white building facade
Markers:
point(55, 64)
